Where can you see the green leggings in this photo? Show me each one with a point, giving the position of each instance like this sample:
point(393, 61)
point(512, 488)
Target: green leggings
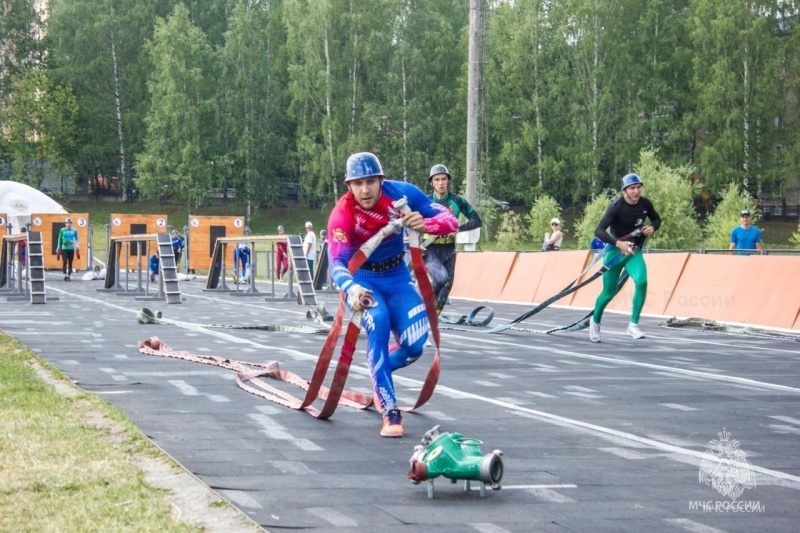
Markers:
point(635, 267)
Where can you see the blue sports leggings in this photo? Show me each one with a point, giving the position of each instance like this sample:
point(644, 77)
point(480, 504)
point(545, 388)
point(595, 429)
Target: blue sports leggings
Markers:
point(398, 310)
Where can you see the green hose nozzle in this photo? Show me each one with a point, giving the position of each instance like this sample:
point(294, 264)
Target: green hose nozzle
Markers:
point(455, 457)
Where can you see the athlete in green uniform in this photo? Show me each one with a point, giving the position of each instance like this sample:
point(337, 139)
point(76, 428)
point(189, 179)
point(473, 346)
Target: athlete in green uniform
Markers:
point(625, 218)
point(440, 254)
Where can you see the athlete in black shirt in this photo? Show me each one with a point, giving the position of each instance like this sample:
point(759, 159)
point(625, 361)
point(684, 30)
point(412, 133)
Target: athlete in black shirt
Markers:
point(626, 220)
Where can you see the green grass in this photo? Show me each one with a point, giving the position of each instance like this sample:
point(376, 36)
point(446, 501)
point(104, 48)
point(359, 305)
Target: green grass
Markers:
point(61, 472)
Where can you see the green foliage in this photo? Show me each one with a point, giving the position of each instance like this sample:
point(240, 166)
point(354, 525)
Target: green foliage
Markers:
point(544, 209)
point(592, 213)
point(671, 192)
point(178, 154)
point(795, 238)
point(512, 232)
point(39, 122)
point(572, 91)
point(717, 232)
point(490, 218)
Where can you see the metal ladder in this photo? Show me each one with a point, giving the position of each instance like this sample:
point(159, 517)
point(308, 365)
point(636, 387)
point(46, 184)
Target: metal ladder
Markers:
point(36, 268)
point(169, 270)
point(305, 294)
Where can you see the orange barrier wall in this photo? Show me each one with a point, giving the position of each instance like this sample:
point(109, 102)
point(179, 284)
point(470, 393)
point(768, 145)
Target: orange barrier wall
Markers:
point(203, 234)
point(663, 272)
point(562, 267)
point(758, 290)
point(746, 289)
point(481, 275)
point(3, 223)
point(50, 224)
point(524, 278)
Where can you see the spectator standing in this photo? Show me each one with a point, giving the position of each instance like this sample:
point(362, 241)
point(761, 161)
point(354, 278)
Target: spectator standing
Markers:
point(177, 248)
point(281, 255)
point(66, 244)
point(310, 247)
point(23, 248)
point(323, 236)
point(745, 237)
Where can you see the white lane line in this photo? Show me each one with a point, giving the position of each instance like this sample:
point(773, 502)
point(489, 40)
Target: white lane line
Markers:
point(627, 453)
point(578, 388)
point(787, 419)
point(34, 323)
point(679, 407)
point(585, 395)
point(783, 428)
point(189, 390)
point(540, 394)
point(184, 387)
point(534, 487)
point(691, 525)
point(295, 468)
point(486, 527)
point(485, 383)
point(659, 368)
point(274, 430)
point(332, 516)
point(550, 496)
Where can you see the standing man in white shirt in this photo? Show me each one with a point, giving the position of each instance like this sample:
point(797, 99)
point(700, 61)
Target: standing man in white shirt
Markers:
point(310, 246)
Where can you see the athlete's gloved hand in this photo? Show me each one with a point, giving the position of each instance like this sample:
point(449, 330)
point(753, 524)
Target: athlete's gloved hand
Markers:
point(359, 298)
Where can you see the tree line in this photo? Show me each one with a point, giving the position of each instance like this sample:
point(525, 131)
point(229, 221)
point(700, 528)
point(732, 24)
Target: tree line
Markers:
point(178, 98)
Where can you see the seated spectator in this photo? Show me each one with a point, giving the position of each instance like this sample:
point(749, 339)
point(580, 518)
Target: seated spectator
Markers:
point(552, 241)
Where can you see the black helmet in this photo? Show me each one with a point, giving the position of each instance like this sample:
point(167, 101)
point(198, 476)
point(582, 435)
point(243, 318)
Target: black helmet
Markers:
point(439, 169)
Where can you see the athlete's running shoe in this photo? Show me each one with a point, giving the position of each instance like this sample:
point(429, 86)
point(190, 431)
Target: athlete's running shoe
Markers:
point(634, 331)
point(392, 424)
point(594, 331)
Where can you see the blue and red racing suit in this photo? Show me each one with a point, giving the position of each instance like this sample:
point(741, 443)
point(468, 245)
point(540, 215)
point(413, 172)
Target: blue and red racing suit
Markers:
point(398, 308)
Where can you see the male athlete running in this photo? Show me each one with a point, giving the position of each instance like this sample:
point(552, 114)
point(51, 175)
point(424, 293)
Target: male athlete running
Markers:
point(625, 216)
point(358, 215)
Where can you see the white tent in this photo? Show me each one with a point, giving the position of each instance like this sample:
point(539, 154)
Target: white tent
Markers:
point(18, 201)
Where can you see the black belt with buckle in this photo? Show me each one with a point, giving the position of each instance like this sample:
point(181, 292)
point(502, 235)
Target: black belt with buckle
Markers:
point(383, 266)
